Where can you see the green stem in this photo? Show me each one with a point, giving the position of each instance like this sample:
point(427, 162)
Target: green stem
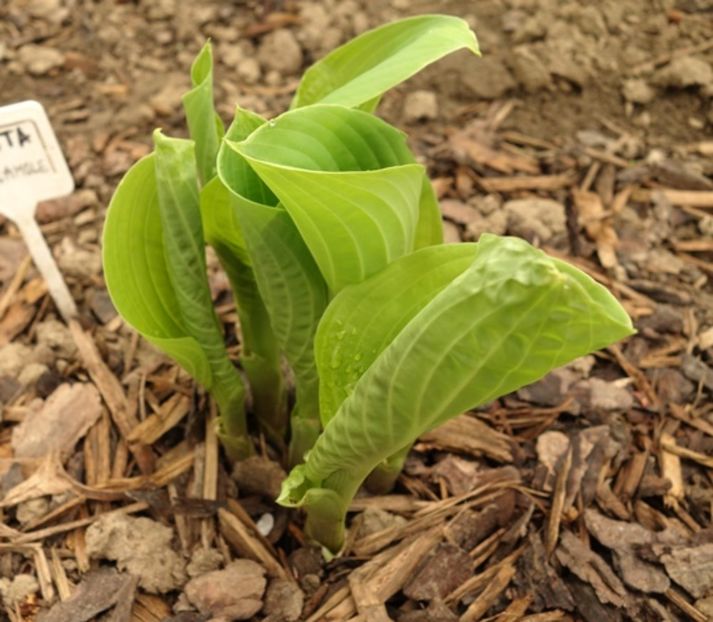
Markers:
point(269, 398)
point(229, 392)
point(261, 354)
point(327, 509)
point(383, 478)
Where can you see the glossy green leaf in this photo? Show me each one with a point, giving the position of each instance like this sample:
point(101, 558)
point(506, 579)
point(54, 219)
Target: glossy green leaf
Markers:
point(429, 230)
point(361, 70)
point(136, 274)
point(288, 279)
point(358, 326)
point(506, 320)
point(182, 230)
point(204, 125)
point(347, 180)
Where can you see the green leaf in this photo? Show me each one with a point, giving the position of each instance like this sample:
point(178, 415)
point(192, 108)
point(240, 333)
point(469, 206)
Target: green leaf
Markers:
point(204, 125)
point(369, 65)
point(361, 321)
point(509, 318)
point(288, 279)
point(179, 208)
point(347, 180)
point(260, 354)
point(136, 274)
point(429, 230)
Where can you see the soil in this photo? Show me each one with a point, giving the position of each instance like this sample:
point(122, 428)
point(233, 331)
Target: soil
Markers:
point(585, 127)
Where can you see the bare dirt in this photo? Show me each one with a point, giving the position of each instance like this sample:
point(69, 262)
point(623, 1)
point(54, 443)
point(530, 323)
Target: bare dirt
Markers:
point(585, 127)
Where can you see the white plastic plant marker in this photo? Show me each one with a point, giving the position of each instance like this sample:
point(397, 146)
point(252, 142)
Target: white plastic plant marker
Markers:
point(33, 169)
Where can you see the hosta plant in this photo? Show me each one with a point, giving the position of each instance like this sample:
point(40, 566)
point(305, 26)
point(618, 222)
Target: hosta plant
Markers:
point(330, 234)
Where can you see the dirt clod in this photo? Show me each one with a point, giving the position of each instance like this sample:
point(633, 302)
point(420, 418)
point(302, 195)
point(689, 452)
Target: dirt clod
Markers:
point(420, 106)
point(283, 601)
point(234, 593)
point(280, 51)
point(140, 546)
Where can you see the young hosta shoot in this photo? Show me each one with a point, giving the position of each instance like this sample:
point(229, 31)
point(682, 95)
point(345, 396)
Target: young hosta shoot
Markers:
point(154, 265)
point(331, 237)
point(435, 333)
point(288, 279)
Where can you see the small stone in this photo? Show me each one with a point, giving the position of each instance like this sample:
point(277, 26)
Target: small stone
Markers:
point(638, 91)
point(685, 72)
point(140, 546)
point(529, 70)
point(420, 106)
point(538, 219)
point(307, 560)
point(56, 336)
point(280, 51)
point(168, 99)
point(16, 591)
point(447, 567)
point(51, 10)
point(605, 396)
point(283, 601)
point(487, 78)
point(13, 358)
point(315, 21)
point(234, 593)
point(204, 560)
point(249, 70)
point(39, 60)
point(27, 511)
point(77, 261)
point(496, 223)
point(551, 390)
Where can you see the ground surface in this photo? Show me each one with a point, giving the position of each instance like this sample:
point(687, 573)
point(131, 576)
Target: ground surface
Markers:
point(585, 127)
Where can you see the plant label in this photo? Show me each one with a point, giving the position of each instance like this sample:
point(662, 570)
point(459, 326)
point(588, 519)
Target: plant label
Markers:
point(33, 169)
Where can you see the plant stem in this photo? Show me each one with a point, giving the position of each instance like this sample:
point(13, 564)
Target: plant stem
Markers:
point(229, 392)
point(269, 398)
point(327, 508)
point(383, 478)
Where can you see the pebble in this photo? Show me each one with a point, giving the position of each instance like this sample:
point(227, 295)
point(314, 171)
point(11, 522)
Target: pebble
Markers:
point(280, 51)
point(234, 593)
point(39, 60)
point(529, 70)
point(142, 547)
point(284, 601)
point(536, 218)
point(249, 70)
point(685, 72)
point(204, 560)
point(15, 591)
point(638, 91)
point(420, 106)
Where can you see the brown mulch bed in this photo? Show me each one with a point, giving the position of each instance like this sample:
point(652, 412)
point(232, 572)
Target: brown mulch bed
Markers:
point(587, 496)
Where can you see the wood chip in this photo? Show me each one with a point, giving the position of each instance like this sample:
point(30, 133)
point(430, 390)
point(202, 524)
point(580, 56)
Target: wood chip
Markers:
point(50, 429)
point(490, 594)
point(113, 394)
point(469, 435)
point(526, 182)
